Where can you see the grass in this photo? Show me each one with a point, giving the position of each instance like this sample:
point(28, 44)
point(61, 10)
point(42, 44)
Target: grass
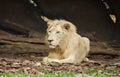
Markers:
point(58, 74)
point(101, 72)
point(97, 72)
point(47, 74)
point(16, 75)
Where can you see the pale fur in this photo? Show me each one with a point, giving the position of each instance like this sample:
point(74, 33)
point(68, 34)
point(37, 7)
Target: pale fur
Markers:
point(71, 47)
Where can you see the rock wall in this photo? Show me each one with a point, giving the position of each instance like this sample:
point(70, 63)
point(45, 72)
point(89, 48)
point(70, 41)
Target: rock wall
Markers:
point(19, 17)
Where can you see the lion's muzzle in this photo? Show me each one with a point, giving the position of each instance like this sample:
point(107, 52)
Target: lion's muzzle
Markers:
point(50, 41)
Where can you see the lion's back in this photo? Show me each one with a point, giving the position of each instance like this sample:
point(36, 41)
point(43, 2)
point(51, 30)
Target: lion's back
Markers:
point(86, 43)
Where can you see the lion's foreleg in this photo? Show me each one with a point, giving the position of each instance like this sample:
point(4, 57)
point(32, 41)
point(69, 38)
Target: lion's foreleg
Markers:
point(47, 60)
point(86, 59)
point(66, 60)
point(70, 59)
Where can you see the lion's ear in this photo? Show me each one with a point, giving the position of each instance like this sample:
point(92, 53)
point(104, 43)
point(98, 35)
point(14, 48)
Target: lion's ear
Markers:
point(66, 26)
point(45, 19)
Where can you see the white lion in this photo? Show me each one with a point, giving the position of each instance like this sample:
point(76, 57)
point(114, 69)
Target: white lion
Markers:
point(64, 44)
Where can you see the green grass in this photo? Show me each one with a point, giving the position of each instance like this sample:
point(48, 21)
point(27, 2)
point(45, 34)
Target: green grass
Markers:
point(57, 74)
point(47, 74)
point(16, 75)
point(104, 72)
point(101, 72)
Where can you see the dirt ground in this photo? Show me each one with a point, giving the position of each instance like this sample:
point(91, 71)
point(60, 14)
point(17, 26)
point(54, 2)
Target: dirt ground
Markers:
point(31, 63)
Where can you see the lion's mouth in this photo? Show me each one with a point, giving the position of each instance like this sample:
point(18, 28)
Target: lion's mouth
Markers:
point(52, 46)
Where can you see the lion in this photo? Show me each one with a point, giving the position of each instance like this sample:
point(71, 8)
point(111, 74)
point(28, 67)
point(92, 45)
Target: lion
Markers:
point(64, 44)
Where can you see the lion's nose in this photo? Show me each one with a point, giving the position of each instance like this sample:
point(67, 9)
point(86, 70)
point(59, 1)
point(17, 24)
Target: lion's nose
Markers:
point(50, 41)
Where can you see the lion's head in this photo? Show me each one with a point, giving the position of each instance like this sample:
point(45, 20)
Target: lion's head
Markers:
point(57, 31)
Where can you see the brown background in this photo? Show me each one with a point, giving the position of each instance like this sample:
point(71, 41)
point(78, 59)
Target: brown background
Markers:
point(90, 17)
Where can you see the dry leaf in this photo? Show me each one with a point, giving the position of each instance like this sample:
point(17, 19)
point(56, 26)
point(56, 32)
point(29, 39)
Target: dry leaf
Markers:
point(25, 62)
point(113, 18)
point(37, 64)
point(79, 75)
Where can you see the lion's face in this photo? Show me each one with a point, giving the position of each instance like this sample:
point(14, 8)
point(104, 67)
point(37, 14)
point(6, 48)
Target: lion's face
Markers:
point(57, 31)
point(56, 34)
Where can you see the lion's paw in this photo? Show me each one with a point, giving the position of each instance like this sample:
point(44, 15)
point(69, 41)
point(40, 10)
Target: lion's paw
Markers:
point(45, 60)
point(86, 59)
point(55, 60)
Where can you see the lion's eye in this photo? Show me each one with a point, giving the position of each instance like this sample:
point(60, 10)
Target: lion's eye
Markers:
point(58, 32)
point(49, 31)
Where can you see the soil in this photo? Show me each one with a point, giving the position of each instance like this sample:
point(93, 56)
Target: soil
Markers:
point(31, 63)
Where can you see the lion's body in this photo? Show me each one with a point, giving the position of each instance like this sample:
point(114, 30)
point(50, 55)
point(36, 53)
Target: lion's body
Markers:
point(67, 46)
